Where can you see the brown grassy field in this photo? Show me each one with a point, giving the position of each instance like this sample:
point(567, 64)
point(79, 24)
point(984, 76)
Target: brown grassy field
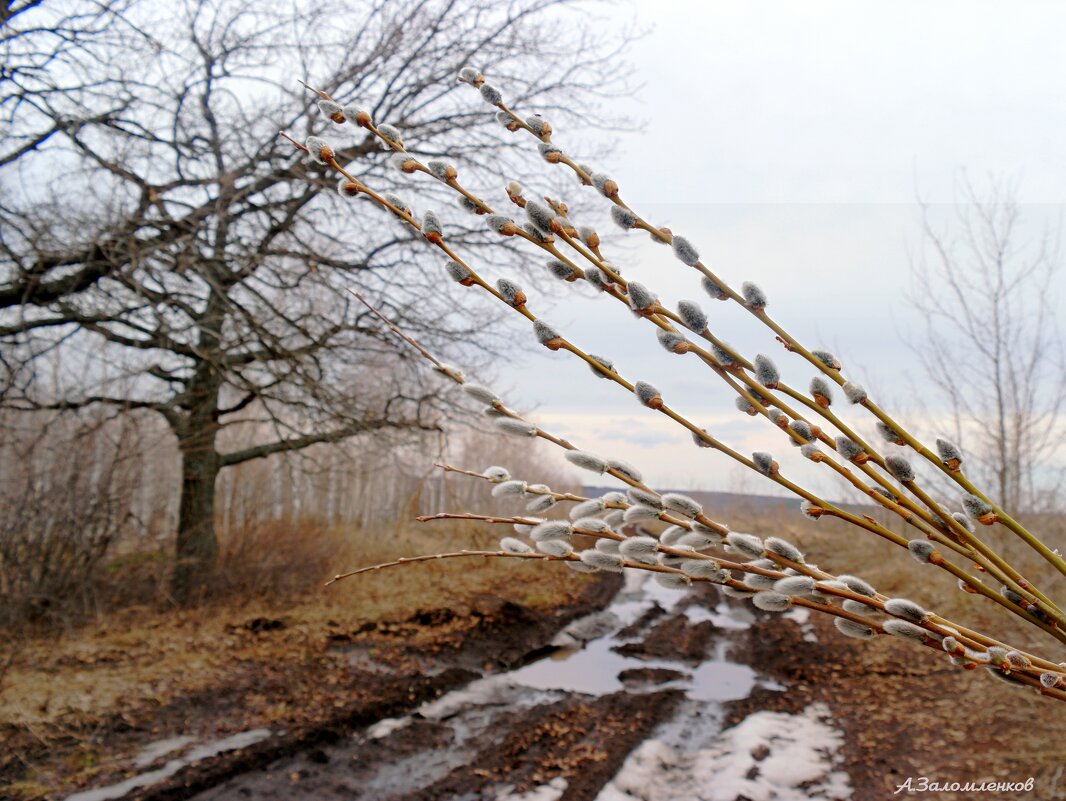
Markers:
point(270, 651)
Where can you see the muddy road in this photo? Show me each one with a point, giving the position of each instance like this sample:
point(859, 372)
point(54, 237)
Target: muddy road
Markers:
point(647, 699)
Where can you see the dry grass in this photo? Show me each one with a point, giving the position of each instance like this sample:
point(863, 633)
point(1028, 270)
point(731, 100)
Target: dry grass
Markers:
point(148, 654)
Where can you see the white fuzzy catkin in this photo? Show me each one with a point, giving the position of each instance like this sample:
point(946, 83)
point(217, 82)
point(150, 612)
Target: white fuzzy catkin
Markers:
point(610, 562)
point(794, 585)
point(723, 355)
point(544, 332)
point(540, 215)
point(975, 507)
point(705, 569)
point(964, 521)
point(899, 467)
point(458, 272)
point(511, 545)
point(329, 107)
point(908, 610)
point(391, 133)
point(625, 469)
point(580, 567)
point(593, 524)
point(766, 372)
point(682, 504)
point(783, 548)
point(586, 461)
point(646, 393)
point(671, 340)
point(614, 518)
point(747, 544)
point(908, 631)
point(316, 145)
point(685, 251)
point(847, 448)
point(857, 607)
point(431, 223)
point(586, 508)
point(495, 473)
point(820, 387)
point(948, 451)
point(354, 112)
point(604, 362)
point(640, 297)
point(692, 316)
point(826, 358)
point(491, 94)
point(608, 546)
point(481, 393)
point(802, 429)
point(771, 601)
point(764, 462)
point(439, 169)
point(509, 489)
point(646, 497)
point(549, 152)
point(509, 290)
point(538, 124)
point(849, 628)
point(858, 586)
point(623, 217)
point(541, 504)
point(555, 547)
point(639, 513)
point(714, 290)
point(673, 581)
point(518, 428)
point(754, 297)
point(639, 548)
point(698, 541)
point(672, 534)
point(921, 550)
point(551, 530)
point(854, 392)
point(560, 269)
point(398, 160)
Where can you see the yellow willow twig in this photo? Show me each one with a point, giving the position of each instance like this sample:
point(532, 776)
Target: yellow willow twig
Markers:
point(940, 521)
point(832, 370)
point(555, 342)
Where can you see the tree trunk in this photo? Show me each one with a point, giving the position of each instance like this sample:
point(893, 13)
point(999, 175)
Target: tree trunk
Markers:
point(197, 546)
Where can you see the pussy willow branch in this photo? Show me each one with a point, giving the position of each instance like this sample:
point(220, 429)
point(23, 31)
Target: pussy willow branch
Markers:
point(878, 600)
point(937, 626)
point(563, 344)
point(458, 378)
point(792, 344)
point(976, 550)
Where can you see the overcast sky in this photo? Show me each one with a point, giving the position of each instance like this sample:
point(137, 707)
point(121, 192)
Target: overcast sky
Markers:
point(790, 142)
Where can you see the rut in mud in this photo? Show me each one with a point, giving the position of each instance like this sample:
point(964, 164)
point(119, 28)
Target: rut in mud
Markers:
point(626, 704)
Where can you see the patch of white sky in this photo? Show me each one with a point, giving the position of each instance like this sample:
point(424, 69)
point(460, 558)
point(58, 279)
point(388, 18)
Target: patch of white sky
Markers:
point(791, 143)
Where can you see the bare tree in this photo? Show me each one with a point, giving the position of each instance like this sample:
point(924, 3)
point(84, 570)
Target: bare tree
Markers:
point(154, 242)
point(992, 345)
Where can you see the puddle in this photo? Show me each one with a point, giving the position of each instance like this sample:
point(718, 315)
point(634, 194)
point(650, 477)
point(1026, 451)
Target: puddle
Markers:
point(768, 756)
point(689, 756)
point(204, 751)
